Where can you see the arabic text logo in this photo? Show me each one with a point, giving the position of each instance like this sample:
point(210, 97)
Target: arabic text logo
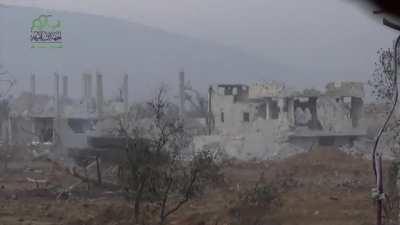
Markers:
point(46, 32)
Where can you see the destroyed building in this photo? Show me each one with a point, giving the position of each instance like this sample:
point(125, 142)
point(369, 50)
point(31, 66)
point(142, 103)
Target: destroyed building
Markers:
point(59, 119)
point(264, 119)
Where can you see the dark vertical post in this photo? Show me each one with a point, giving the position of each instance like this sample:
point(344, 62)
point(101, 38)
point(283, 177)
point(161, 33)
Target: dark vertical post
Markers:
point(86, 178)
point(64, 87)
point(32, 102)
point(57, 125)
point(126, 96)
point(98, 170)
point(182, 94)
point(33, 91)
point(209, 115)
point(313, 109)
point(379, 201)
point(99, 95)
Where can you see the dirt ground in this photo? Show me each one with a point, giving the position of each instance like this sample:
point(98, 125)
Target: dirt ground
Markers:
point(322, 187)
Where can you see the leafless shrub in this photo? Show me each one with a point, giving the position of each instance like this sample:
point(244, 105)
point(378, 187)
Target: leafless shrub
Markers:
point(5, 147)
point(158, 169)
point(385, 89)
point(262, 194)
point(382, 82)
point(254, 203)
point(392, 199)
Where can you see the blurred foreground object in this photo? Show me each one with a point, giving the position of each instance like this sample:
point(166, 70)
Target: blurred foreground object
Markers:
point(383, 8)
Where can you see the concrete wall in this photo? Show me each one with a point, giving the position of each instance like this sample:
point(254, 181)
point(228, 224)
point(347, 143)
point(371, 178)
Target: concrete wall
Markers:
point(334, 114)
point(70, 139)
point(24, 131)
point(273, 89)
point(21, 131)
point(259, 137)
point(261, 127)
point(233, 113)
point(352, 89)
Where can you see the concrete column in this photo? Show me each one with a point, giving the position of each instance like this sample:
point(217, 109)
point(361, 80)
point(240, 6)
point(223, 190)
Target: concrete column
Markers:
point(210, 115)
point(356, 111)
point(313, 109)
point(10, 131)
point(33, 92)
point(65, 87)
point(99, 95)
point(57, 118)
point(33, 85)
point(87, 91)
point(4, 132)
point(126, 94)
point(182, 94)
point(84, 87)
point(89, 86)
point(281, 104)
point(291, 111)
point(32, 102)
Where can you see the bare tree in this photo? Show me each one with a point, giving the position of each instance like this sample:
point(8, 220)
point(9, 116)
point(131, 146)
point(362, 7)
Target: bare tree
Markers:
point(385, 89)
point(382, 81)
point(159, 168)
point(7, 82)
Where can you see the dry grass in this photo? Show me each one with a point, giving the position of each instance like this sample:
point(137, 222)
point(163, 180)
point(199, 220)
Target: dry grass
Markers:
point(322, 187)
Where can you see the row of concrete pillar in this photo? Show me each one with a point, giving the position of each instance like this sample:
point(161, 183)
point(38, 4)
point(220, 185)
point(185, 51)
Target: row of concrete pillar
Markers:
point(86, 90)
point(87, 94)
point(64, 85)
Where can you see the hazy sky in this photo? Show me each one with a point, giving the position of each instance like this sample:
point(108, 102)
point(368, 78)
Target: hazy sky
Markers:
point(323, 37)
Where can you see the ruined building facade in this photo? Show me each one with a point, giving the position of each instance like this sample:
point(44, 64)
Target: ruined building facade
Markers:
point(262, 119)
point(59, 120)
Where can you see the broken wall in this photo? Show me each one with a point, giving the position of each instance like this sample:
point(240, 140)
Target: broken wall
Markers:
point(227, 113)
point(251, 142)
point(239, 116)
point(356, 111)
point(345, 88)
point(248, 129)
point(305, 112)
point(21, 130)
point(271, 89)
point(263, 126)
point(333, 114)
point(71, 139)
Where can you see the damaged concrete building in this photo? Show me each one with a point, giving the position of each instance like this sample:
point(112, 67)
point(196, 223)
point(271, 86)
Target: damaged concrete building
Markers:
point(268, 119)
point(262, 121)
point(59, 120)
